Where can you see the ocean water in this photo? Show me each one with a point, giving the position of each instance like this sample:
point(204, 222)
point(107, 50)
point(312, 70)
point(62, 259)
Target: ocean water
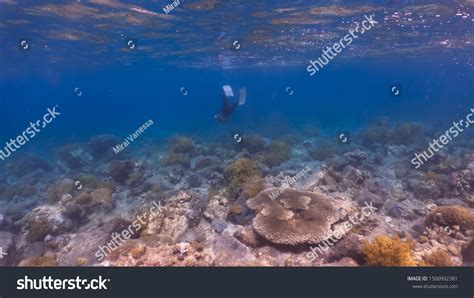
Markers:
point(82, 44)
point(76, 55)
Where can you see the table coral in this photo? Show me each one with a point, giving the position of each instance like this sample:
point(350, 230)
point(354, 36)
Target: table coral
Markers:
point(294, 217)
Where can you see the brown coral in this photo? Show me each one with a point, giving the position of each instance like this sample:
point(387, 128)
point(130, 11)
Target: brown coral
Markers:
point(294, 217)
point(323, 151)
point(180, 144)
point(452, 216)
point(407, 134)
point(253, 143)
point(180, 151)
point(277, 153)
point(43, 261)
point(439, 258)
point(389, 251)
point(239, 174)
point(120, 170)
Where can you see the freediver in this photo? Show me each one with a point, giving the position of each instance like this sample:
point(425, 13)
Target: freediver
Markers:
point(227, 108)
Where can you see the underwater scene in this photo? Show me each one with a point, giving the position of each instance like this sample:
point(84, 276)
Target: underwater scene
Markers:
point(236, 133)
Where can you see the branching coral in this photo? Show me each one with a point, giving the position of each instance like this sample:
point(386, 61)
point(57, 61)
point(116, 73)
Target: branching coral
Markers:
point(252, 188)
point(277, 152)
point(120, 170)
point(67, 154)
point(176, 159)
point(239, 174)
point(389, 251)
point(403, 134)
point(452, 216)
point(26, 164)
point(376, 133)
point(42, 261)
point(180, 144)
point(294, 217)
point(125, 172)
point(439, 258)
point(180, 151)
point(253, 143)
point(101, 146)
point(407, 134)
point(323, 151)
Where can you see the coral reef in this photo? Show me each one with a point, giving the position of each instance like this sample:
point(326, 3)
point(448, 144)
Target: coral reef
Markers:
point(239, 174)
point(452, 216)
point(323, 150)
point(126, 172)
point(294, 217)
point(55, 192)
point(180, 151)
point(180, 144)
point(46, 220)
point(381, 132)
point(227, 203)
point(439, 258)
point(376, 133)
point(277, 152)
point(389, 251)
point(72, 156)
point(43, 261)
point(407, 134)
point(252, 143)
point(28, 164)
point(101, 146)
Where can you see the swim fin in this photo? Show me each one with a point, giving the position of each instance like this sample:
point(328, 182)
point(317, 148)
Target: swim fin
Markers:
point(228, 91)
point(243, 96)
